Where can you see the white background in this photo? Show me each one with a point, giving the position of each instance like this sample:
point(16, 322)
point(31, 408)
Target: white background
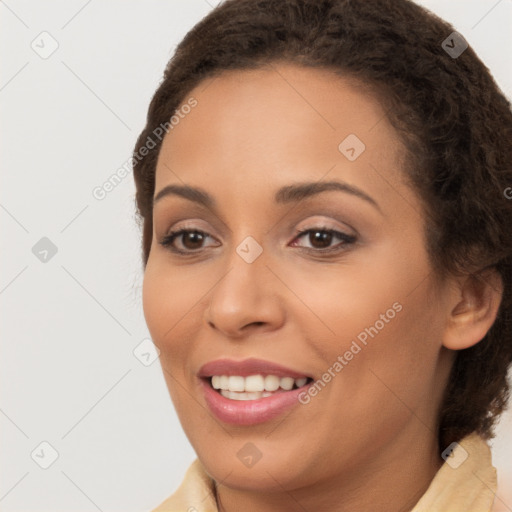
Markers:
point(70, 325)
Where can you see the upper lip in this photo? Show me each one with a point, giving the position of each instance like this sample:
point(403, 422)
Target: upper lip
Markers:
point(247, 367)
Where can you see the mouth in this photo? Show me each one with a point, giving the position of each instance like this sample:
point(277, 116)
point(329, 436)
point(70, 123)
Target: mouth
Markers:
point(251, 391)
point(255, 387)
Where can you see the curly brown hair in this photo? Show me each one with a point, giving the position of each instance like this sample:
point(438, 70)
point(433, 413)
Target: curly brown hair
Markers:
point(454, 121)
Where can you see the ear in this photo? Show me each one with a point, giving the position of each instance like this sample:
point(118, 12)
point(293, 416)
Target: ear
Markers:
point(474, 306)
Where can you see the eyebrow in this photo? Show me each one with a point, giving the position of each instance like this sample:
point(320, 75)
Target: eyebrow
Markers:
point(287, 194)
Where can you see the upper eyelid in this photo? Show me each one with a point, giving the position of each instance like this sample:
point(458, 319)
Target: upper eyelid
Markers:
point(319, 225)
point(288, 224)
point(202, 212)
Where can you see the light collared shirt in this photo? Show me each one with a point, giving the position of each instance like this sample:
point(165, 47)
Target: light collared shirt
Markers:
point(466, 482)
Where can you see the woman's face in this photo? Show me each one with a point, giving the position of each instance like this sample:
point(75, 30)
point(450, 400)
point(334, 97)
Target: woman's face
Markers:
point(355, 310)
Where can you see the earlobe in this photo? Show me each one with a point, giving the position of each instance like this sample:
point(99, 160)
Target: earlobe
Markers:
point(474, 309)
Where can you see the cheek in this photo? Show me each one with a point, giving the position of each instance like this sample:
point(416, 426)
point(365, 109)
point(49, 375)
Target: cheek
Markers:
point(167, 302)
point(338, 302)
point(155, 303)
point(393, 366)
point(168, 310)
point(382, 316)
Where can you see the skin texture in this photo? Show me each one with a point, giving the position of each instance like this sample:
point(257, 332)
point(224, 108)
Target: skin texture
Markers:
point(368, 440)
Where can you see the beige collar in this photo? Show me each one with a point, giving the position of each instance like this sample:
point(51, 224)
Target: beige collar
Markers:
point(468, 487)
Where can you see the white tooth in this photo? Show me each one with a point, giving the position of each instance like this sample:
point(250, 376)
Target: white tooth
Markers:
point(236, 383)
point(235, 395)
point(287, 383)
point(300, 382)
point(216, 382)
point(271, 383)
point(254, 383)
point(224, 382)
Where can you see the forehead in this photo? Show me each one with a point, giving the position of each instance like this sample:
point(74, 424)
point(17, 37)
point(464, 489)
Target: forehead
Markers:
point(275, 125)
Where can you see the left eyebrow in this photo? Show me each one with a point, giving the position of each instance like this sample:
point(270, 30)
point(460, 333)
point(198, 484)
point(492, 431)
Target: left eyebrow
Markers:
point(286, 194)
point(297, 192)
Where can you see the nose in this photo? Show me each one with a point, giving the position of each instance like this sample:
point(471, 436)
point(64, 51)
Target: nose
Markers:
point(246, 299)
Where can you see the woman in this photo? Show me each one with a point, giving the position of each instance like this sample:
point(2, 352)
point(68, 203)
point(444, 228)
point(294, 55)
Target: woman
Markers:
point(327, 253)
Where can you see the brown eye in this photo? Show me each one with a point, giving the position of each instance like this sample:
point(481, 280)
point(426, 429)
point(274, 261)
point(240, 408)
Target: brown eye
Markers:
point(189, 240)
point(320, 239)
point(192, 239)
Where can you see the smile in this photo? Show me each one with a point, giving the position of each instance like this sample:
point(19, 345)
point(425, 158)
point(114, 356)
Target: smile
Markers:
point(251, 391)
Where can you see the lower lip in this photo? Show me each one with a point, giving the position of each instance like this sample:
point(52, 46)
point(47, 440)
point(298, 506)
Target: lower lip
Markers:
point(249, 412)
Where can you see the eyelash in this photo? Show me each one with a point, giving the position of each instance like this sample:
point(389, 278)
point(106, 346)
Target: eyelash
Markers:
point(168, 240)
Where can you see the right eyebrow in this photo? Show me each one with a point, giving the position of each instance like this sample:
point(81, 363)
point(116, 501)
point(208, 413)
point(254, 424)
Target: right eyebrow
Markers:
point(195, 194)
